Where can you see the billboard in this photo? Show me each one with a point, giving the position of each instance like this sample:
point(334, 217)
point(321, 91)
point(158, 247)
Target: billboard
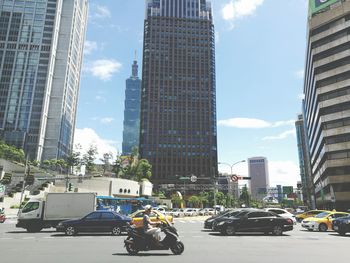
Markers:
point(317, 5)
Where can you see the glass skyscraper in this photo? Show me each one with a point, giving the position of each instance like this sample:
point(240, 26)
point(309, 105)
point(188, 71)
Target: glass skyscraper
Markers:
point(131, 132)
point(178, 99)
point(41, 50)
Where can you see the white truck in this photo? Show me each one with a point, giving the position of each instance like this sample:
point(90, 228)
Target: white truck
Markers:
point(57, 207)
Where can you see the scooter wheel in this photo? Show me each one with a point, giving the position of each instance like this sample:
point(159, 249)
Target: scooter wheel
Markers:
point(178, 248)
point(130, 247)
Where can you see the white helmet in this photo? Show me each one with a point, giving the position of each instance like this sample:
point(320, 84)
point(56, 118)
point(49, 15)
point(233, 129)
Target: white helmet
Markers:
point(148, 207)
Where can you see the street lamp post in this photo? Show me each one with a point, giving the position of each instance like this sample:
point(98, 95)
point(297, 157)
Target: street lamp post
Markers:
point(231, 165)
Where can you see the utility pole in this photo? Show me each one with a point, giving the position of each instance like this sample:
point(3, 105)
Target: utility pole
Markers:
point(24, 182)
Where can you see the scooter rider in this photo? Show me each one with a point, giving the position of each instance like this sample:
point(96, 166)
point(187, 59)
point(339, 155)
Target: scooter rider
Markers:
point(149, 227)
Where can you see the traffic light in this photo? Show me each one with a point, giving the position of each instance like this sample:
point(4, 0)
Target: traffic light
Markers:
point(70, 187)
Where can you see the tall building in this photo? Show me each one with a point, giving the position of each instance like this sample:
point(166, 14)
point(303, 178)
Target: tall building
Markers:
point(304, 162)
point(259, 174)
point(131, 131)
point(178, 99)
point(41, 50)
point(327, 101)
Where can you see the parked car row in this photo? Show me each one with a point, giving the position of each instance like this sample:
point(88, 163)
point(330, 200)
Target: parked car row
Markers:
point(249, 220)
point(181, 212)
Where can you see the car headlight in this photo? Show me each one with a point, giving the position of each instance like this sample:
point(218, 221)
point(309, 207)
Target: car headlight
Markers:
point(60, 224)
point(210, 220)
point(221, 223)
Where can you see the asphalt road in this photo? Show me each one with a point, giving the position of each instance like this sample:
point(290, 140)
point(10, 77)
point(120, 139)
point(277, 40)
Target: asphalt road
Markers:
point(298, 245)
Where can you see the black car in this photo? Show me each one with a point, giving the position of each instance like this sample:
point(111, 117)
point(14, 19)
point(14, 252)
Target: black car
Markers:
point(341, 225)
point(98, 221)
point(227, 216)
point(208, 224)
point(255, 221)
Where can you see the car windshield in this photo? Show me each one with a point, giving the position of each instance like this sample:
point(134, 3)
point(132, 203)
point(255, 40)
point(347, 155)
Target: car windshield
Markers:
point(322, 215)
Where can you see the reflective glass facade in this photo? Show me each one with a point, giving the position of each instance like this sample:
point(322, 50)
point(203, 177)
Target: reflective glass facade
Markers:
point(131, 131)
point(178, 98)
point(29, 55)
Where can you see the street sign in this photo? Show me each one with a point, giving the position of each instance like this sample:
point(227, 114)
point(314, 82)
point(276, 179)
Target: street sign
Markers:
point(193, 178)
point(234, 178)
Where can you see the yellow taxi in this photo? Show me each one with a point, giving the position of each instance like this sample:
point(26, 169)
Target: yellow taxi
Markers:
point(322, 221)
point(137, 217)
point(311, 213)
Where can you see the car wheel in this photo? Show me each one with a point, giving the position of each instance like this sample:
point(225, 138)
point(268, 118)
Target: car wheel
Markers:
point(277, 231)
point(70, 231)
point(116, 231)
point(230, 230)
point(322, 227)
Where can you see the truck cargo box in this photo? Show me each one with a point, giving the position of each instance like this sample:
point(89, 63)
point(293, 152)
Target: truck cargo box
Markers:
point(62, 206)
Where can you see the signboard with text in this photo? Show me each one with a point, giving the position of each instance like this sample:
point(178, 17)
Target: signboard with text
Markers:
point(317, 5)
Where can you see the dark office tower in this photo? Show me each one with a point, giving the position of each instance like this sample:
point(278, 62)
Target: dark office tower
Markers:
point(327, 101)
point(131, 132)
point(304, 162)
point(41, 47)
point(178, 102)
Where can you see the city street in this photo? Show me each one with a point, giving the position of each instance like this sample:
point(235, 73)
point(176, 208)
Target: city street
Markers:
point(200, 245)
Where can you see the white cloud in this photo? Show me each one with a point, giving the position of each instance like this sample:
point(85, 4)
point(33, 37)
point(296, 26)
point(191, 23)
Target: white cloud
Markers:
point(87, 136)
point(281, 136)
point(107, 120)
point(301, 96)
point(285, 173)
point(103, 68)
point(89, 47)
point(238, 9)
point(101, 12)
point(252, 123)
point(100, 98)
point(300, 74)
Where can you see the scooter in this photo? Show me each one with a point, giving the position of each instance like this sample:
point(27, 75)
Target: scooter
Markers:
point(2, 217)
point(137, 240)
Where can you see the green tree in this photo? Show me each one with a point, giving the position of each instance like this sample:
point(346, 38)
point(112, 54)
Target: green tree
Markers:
point(204, 198)
point(245, 197)
point(117, 166)
point(194, 201)
point(143, 170)
point(220, 198)
point(176, 200)
point(74, 159)
point(89, 159)
point(106, 161)
point(11, 153)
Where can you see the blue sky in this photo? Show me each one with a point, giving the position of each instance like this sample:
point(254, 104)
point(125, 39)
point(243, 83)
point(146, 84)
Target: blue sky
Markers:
point(260, 52)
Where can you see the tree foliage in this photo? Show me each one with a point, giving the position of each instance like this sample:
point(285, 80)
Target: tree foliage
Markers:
point(74, 159)
point(89, 159)
point(106, 161)
point(11, 153)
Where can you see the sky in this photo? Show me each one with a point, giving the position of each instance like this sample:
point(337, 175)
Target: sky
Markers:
point(260, 56)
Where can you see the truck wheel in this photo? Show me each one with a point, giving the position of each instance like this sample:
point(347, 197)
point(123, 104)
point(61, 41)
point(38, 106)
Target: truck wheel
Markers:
point(116, 231)
point(34, 229)
point(70, 231)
